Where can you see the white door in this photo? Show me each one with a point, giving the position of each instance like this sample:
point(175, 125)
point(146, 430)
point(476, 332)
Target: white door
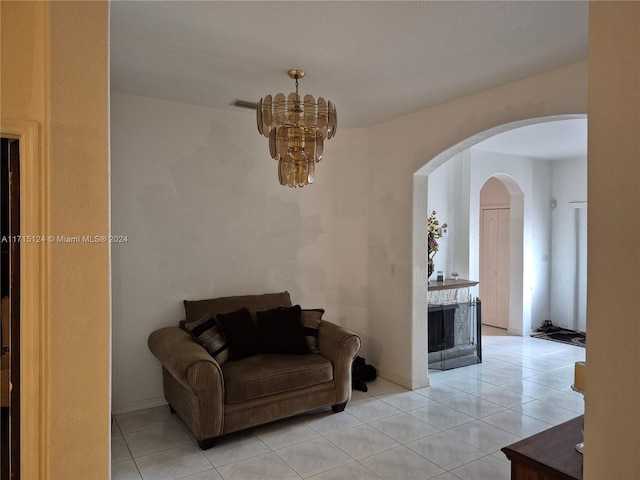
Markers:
point(494, 267)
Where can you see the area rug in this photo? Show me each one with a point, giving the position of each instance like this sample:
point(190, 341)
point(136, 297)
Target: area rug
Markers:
point(564, 336)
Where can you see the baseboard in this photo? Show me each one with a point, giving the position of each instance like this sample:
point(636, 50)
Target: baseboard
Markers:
point(519, 332)
point(403, 382)
point(137, 405)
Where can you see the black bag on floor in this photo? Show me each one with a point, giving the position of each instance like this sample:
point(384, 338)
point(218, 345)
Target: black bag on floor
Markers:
point(360, 373)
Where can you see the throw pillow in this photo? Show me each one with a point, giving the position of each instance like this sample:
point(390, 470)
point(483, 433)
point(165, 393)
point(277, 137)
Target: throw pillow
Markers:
point(207, 333)
point(281, 331)
point(310, 319)
point(241, 333)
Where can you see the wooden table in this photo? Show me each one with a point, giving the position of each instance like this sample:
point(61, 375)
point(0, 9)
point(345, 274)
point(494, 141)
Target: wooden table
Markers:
point(549, 455)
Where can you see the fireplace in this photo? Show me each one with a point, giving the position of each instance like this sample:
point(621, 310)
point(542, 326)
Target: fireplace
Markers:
point(453, 326)
point(441, 327)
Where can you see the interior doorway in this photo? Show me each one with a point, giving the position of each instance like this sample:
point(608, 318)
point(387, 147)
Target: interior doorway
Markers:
point(527, 257)
point(10, 312)
point(495, 238)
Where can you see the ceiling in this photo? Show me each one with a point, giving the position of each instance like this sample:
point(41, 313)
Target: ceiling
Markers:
point(376, 60)
point(559, 140)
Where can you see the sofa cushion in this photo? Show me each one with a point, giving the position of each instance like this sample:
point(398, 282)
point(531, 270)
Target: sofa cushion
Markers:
point(281, 331)
point(208, 333)
point(241, 333)
point(195, 309)
point(266, 374)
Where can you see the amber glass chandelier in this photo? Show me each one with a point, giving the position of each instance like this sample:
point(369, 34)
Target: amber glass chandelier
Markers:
point(296, 130)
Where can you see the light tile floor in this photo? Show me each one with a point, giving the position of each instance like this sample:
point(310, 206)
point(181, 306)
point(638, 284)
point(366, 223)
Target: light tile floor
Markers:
point(453, 429)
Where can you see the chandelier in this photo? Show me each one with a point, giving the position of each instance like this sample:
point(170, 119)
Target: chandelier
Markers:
point(296, 130)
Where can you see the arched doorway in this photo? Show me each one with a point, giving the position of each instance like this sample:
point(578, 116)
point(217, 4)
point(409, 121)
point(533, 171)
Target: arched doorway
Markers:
point(522, 267)
point(500, 252)
point(495, 212)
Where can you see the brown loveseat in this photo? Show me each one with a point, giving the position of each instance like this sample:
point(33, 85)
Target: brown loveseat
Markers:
point(215, 397)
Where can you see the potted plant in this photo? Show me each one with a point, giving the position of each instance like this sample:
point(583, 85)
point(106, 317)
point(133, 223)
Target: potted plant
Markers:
point(434, 231)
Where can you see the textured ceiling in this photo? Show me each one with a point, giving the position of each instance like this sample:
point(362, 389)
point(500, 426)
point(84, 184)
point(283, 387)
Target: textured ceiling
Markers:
point(375, 60)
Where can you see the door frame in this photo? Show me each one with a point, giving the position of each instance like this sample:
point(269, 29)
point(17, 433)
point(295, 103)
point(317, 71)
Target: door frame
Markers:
point(575, 207)
point(34, 318)
point(11, 431)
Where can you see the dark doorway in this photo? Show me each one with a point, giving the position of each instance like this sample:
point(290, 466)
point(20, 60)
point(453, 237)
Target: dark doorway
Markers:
point(10, 313)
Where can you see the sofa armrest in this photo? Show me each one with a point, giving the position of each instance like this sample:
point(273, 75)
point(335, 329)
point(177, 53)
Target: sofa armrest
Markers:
point(192, 380)
point(186, 360)
point(339, 345)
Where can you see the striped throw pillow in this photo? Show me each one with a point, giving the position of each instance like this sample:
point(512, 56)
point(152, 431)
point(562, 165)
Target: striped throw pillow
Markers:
point(207, 332)
point(311, 322)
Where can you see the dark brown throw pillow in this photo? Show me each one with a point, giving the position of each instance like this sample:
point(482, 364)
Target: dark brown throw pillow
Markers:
point(281, 331)
point(241, 333)
point(310, 319)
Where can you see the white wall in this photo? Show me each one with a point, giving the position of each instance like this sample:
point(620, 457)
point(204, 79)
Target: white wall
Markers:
point(449, 197)
point(541, 243)
point(569, 186)
point(195, 191)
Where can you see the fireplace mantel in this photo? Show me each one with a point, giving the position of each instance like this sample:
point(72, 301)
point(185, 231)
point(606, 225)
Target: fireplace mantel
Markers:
point(449, 291)
point(451, 284)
